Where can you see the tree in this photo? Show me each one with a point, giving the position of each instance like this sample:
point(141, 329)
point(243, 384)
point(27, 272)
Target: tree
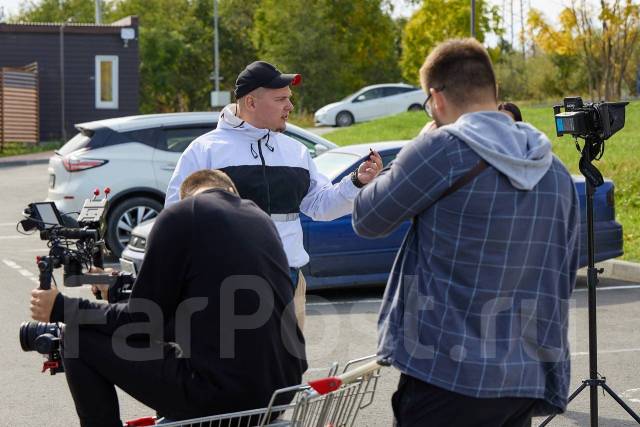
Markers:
point(236, 47)
point(176, 50)
point(438, 20)
point(58, 11)
point(604, 48)
point(337, 46)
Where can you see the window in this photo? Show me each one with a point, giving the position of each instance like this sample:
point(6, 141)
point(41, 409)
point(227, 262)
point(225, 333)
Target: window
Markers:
point(387, 159)
point(143, 136)
point(369, 95)
point(106, 80)
point(333, 164)
point(178, 139)
point(310, 145)
point(390, 91)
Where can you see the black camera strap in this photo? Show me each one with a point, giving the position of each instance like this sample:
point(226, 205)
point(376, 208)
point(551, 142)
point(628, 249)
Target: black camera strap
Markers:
point(464, 179)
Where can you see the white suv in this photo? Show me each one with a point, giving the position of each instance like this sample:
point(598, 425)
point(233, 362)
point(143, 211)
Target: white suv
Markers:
point(371, 102)
point(135, 157)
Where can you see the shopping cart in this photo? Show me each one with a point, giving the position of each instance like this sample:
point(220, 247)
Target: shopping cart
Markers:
point(333, 401)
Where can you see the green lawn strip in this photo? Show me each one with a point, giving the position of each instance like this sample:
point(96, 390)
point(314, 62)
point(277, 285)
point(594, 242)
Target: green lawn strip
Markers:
point(16, 148)
point(621, 161)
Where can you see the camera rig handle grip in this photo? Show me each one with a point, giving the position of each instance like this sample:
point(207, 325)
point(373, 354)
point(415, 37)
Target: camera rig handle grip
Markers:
point(46, 272)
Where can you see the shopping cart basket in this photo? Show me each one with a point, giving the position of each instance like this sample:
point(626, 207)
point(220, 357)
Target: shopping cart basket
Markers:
point(333, 401)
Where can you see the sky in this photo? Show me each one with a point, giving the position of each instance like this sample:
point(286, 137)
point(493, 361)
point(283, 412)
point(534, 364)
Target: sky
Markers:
point(551, 8)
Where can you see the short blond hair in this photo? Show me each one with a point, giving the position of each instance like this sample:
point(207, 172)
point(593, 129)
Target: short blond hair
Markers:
point(206, 178)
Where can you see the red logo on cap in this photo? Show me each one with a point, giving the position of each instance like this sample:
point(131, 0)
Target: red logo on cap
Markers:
point(297, 79)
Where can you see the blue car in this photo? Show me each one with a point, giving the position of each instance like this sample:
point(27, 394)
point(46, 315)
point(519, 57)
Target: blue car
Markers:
point(338, 257)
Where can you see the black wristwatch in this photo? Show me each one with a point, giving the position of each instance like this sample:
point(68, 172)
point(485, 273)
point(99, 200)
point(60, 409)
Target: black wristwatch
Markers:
point(355, 180)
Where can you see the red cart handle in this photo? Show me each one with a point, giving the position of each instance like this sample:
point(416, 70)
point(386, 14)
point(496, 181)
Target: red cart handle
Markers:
point(327, 385)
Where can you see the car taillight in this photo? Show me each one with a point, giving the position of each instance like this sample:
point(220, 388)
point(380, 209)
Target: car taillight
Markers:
point(73, 164)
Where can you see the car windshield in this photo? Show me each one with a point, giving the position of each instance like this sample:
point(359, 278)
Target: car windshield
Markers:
point(332, 164)
point(348, 97)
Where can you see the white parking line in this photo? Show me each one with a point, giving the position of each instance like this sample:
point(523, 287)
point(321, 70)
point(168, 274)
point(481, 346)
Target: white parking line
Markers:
point(359, 301)
point(621, 350)
point(25, 273)
point(10, 263)
point(371, 301)
point(610, 288)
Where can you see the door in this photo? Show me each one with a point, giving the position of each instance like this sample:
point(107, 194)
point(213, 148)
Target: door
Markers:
point(171, 143)
point(367, 104)
point(335, 249)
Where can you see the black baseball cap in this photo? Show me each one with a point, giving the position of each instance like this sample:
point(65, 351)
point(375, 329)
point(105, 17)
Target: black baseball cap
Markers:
point(262, 74)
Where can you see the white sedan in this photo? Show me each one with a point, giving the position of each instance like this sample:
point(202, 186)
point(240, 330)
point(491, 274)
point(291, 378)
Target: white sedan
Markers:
point(370, 103)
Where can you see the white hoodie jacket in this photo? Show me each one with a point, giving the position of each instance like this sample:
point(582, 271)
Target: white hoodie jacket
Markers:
point(271, 169)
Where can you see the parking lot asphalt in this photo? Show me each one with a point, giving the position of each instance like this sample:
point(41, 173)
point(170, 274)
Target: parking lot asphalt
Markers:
point(341, 325)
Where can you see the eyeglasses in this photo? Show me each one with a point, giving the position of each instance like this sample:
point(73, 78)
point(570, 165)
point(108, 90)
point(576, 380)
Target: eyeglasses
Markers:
point(425, 106)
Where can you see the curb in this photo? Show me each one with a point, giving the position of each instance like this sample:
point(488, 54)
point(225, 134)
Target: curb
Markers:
point(26, 159)
point(22, 162)
point(617, 270)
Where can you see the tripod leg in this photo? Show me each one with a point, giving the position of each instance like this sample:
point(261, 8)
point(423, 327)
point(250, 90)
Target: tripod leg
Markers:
point(573, 395)
point(621, 402)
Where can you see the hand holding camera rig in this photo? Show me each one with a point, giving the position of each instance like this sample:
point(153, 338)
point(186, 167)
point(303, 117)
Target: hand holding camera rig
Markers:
point(77, 246)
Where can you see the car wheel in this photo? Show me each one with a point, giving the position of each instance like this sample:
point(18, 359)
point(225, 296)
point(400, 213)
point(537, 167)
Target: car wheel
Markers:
point(124, 217)
point(415, 107)
point(344, 118)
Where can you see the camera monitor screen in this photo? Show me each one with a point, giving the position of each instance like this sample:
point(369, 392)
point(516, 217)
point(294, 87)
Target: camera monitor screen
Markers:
point(48, 214)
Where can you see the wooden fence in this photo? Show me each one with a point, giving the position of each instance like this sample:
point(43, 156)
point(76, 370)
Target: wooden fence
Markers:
point(19, 105)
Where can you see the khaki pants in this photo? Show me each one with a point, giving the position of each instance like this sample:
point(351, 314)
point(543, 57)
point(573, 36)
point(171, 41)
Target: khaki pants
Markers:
point(300, 299)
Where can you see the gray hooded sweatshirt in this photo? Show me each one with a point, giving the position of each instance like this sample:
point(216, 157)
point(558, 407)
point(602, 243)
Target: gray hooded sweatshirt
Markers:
point(518, 150)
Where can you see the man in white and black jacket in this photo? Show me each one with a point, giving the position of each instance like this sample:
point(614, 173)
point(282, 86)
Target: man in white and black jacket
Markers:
point(270, 168)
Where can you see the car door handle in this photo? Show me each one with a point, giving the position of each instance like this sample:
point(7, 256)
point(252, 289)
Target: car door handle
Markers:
point(169, 166)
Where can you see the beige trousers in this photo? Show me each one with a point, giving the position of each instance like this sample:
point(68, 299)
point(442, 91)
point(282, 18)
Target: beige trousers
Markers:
point(300, 299)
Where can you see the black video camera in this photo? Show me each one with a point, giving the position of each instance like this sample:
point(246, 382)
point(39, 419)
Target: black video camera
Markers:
point(598, 120)
point(77, 246)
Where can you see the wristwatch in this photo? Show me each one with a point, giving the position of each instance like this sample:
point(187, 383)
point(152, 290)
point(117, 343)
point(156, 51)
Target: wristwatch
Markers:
point(355, 180)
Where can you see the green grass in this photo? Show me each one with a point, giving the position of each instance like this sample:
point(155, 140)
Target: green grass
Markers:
point(621, 161)
point(17, 148)
point(302, 119)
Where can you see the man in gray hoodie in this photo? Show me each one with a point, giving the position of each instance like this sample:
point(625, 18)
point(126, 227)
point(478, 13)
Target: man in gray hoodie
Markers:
point(475, 313)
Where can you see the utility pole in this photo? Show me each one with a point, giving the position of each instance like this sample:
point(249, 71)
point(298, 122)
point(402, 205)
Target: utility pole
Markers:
point(522, 35)
point(98, 11)
point(216, 53)
point(63, 119)
point(511, 12)
point(473, 18)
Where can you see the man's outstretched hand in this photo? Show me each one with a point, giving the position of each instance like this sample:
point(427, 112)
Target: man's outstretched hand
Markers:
point(370, 168)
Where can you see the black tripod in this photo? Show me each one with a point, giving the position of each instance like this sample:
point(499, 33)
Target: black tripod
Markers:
point(593, 178)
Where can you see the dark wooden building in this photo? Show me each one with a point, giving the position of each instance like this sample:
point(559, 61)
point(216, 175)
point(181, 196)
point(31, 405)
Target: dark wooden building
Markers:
point(85, 71)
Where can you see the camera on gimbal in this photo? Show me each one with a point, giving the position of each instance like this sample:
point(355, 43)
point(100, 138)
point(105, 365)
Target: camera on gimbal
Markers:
point(77, 246)
point(594, 122)
point(594, 119)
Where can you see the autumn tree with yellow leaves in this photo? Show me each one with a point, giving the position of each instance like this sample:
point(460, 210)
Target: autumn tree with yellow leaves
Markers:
point(605, 42)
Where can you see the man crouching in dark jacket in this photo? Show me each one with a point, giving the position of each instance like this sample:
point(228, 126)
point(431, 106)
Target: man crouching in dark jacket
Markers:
point(210, 326)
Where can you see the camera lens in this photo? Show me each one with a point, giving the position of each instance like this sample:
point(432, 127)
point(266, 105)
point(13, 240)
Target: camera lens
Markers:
point(46, 334)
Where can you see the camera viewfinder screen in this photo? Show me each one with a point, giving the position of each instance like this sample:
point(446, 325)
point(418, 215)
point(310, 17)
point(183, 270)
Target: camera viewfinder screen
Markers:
point(47, 214)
